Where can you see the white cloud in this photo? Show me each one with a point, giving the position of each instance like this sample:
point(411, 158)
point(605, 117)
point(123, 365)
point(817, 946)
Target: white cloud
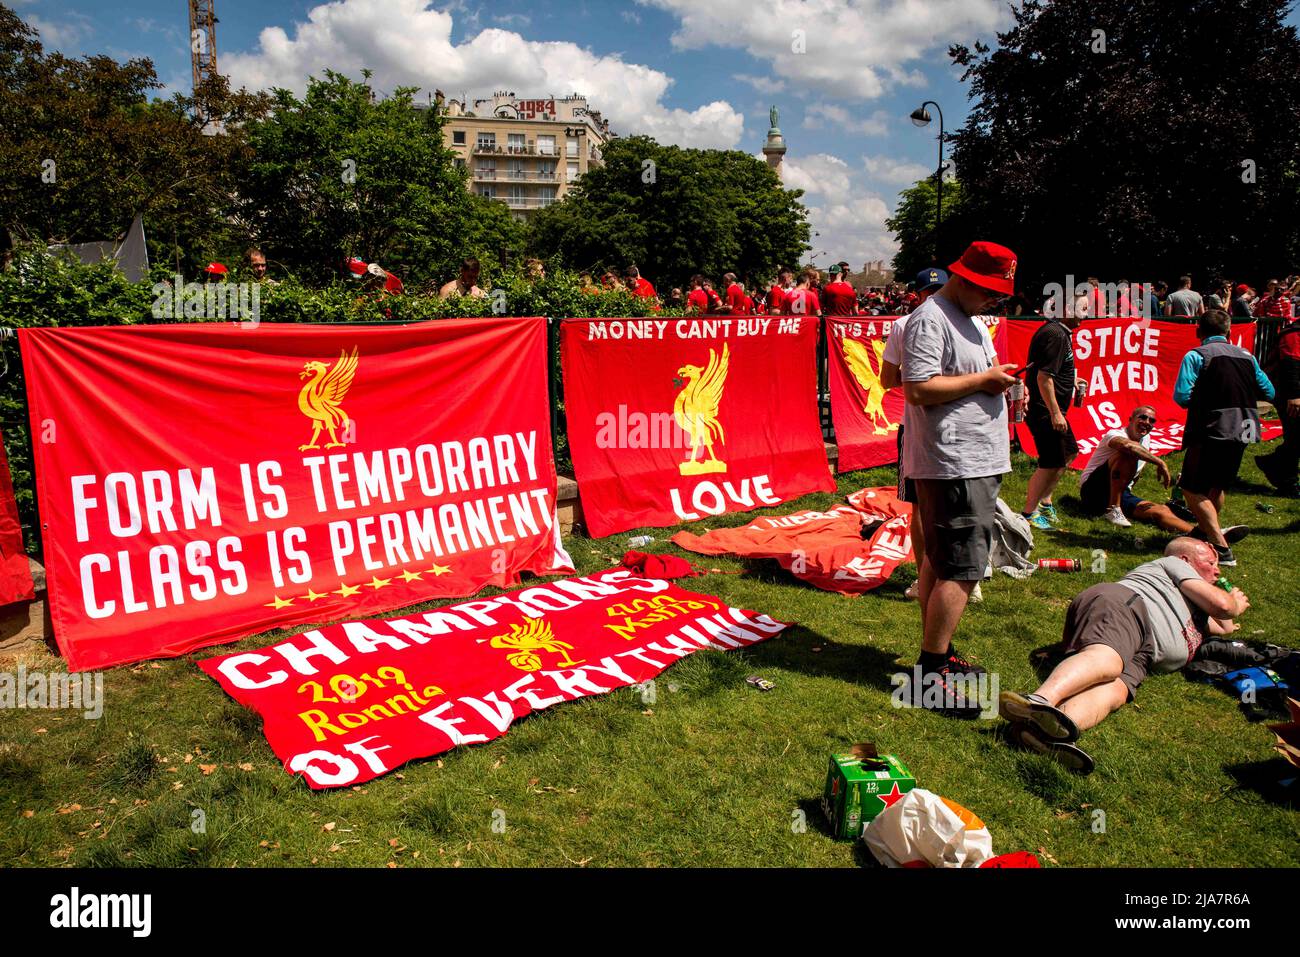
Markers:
point(63, 34)
point(819, 115)
point(847, 216)
point(764, 84)
point(408, 43)
point(820, 174)
point(856, 48)
point(887, 169)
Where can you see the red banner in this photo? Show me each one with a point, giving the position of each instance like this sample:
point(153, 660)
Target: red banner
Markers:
point(200, 483)
point(15, 572)
point(866, 416)
point(672, 420)
point(1126, 363)
point(825, 549)
point(350, 702)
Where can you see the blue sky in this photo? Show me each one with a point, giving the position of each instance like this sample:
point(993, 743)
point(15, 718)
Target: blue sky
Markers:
point(845, 74)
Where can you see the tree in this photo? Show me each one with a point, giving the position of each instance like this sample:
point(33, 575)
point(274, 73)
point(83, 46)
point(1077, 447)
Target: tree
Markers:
point(1127, 139)
point(913, 225)
point(675, 212)
point(84, 149)
point(339, 173)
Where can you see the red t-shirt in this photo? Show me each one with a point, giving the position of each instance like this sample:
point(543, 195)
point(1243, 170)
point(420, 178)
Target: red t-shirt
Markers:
point(776, 301)
point(737, 300)
point(697, 301)
point(801, 302)
point(643, 288)
point(749, 305)
point(840, 298)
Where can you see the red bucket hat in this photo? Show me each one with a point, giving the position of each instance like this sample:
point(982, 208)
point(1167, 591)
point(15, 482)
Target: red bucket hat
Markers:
point(988, 266)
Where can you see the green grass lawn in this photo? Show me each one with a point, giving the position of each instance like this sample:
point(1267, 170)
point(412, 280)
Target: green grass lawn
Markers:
point(713, 772)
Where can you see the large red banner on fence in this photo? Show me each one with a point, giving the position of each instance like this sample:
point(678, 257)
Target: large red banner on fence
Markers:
point(353, 701)
point(1126, 363)
point(867, 416)
point(672, 420)
point(15, 572)
point(199, 483)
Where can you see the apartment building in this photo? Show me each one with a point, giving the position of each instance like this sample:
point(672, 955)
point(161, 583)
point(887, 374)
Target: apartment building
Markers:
point(525, 153)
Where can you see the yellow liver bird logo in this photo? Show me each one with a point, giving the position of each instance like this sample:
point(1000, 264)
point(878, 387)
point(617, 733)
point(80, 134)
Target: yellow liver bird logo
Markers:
point(528, 639)
point(696, 411)
point(321, 398)
point(858, 360)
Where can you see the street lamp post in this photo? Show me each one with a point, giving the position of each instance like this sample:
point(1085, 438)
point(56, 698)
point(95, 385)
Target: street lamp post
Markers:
point(921, 117)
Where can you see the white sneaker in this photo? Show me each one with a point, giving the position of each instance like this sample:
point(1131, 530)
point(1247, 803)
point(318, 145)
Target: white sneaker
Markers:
point(1116, 517)
point(976, 595)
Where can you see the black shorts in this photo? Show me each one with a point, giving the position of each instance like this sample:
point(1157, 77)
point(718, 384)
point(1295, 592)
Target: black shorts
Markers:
point(1211, 466)
point(957, 517)
point(1056, 450)
point(1112, 615)
point(906, 487)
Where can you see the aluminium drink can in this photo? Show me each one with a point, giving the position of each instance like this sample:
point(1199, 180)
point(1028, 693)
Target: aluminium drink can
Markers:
point(1061, 564)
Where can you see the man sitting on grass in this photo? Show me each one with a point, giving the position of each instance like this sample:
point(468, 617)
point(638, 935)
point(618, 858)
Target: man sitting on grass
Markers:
point(1106, 485)
point(1151, 620)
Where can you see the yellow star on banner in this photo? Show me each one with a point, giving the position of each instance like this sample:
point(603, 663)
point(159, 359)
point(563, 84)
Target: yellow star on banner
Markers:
point(313, 595)
point(347, 590)
point(410, 576)
point(378, 583)
point(279, 603)
point(440, 570)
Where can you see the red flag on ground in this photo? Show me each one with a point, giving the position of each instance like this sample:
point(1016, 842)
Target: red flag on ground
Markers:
point(826, 549)
point(349, 702)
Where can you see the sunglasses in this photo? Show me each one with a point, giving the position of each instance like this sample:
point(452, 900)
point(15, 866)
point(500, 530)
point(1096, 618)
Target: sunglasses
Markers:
point(1147, 418)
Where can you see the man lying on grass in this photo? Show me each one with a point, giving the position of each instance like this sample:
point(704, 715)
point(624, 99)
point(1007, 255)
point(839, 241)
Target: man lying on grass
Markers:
point(1106, 485)
point(1151, 620)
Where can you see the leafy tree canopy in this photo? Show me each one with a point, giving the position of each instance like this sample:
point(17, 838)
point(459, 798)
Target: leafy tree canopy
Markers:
point(674, 212)
point(1134, 139)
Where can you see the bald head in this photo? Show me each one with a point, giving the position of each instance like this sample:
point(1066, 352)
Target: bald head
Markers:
point(1200, 555)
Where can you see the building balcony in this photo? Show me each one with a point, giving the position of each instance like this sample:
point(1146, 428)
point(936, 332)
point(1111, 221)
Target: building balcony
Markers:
point(515, 176)
point(528, 149)
point(527, 202)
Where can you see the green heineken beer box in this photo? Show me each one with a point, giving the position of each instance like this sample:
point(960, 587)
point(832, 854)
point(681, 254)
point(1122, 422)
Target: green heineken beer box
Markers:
point(856, 791)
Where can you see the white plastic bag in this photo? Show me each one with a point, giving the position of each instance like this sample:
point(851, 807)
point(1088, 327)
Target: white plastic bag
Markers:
point(925, 827)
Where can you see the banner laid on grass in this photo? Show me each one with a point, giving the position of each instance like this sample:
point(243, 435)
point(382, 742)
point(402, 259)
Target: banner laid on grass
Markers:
point(199, 483)
point(673, 420)
point(850, 549)
point(349, 702)
point(15, 572)
point(1126, 363)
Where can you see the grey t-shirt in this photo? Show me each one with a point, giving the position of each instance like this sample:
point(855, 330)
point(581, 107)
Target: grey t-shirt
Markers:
point(965, 438)
point(1178, 627)
point(1185, 302)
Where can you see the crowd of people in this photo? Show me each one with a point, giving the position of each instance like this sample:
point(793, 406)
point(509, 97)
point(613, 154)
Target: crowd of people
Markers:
point(955, 451)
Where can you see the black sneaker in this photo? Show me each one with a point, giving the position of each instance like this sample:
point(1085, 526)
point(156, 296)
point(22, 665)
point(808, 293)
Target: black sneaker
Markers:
point(1231, 534)
point(1226, 558)
point(959, 665)
point(943, 692)
point(1062, 752)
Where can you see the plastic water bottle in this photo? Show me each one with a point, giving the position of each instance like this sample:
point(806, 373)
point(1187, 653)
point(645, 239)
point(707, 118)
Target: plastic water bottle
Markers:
point(640, 541)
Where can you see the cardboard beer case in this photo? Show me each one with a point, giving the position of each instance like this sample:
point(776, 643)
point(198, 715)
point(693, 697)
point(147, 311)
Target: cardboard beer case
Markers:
point(857, 790)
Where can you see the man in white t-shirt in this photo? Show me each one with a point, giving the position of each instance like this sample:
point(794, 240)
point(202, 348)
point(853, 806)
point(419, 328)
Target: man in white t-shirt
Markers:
point(1106, 485)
